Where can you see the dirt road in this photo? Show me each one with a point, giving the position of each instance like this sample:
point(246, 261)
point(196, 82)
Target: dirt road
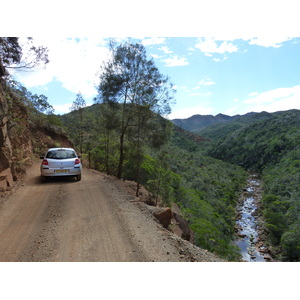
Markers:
point(91, 220)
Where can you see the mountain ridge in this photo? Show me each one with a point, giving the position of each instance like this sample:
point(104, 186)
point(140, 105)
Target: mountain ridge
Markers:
point(198, 122)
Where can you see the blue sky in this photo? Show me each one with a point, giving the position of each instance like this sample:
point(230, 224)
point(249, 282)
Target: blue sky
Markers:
point(229, 57)
point(227, 72)
point(211, 75)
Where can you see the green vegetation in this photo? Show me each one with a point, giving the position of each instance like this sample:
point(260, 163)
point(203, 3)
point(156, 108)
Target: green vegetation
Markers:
point(12, 54)
point(173, 167)
point(207, 193)
point(30, 113)
point(125, 135)
point(268, 144)
point(132, 80)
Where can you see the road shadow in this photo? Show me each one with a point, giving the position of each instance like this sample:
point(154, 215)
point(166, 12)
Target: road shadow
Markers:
point(36, 180)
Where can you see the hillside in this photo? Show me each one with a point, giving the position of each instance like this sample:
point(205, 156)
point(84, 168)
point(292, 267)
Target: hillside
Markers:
point(24, 132)
point(255, 141)
point(94, 220)
point(177, 172)
point(267, 143)
point(40, 210)
point(197, 123)
point(40, 235)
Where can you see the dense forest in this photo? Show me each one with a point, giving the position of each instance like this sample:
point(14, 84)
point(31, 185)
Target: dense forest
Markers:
point(178, 171)
point(268, 144)
point(124, 134)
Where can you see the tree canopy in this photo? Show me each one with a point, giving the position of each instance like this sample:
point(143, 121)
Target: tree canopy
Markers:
point(131, 79)
point(17, 56)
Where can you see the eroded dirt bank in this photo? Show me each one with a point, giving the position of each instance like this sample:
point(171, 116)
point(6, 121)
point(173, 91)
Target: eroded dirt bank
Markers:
point(91, 220)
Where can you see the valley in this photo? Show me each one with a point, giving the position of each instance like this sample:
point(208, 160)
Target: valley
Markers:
point(199, 164)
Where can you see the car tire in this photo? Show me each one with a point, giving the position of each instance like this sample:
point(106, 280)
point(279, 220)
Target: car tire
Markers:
point(43, 178)
point(78, 177)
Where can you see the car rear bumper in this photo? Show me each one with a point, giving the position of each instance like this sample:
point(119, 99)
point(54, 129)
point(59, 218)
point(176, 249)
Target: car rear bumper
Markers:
point(60, 172)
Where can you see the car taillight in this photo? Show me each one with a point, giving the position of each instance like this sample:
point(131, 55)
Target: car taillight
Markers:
point(77, 161)
point(45, 162)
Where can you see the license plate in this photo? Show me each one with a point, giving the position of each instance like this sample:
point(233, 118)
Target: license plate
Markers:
point(61, 171)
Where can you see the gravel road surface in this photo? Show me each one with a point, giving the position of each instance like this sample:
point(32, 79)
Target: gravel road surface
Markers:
point(92, 220)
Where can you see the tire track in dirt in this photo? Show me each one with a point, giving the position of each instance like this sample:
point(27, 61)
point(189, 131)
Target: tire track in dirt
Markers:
point(92, 220)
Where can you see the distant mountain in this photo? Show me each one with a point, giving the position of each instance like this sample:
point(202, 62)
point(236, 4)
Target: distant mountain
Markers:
point(198, 122)
point(267, 143)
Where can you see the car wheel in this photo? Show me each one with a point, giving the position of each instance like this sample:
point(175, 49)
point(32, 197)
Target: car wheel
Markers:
point(78, 177)
point(43, 178)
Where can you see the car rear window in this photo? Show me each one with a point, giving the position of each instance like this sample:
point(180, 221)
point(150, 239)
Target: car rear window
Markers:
point(61, 154)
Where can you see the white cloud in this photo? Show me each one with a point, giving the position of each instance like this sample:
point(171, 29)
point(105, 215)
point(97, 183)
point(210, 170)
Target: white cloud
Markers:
point(220, 59)
point(275, 100)
point(206, 81)
point(253, 94)
point(223, 45)
point(165, 49)
point(73, 62)
point(62, 108)
point(153, 41)
point(269, 41)
point(190, 111)
point(175, 61)
point(211, 45)
point(155, 56)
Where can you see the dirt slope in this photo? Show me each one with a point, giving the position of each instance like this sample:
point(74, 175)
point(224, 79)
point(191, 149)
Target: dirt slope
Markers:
point(91, 220)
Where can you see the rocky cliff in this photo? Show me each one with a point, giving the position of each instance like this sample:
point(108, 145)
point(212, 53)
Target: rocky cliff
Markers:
point(21, 138)
point(6, 168)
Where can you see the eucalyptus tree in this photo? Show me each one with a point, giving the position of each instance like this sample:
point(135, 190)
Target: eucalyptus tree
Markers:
point(77, 107)
point(132, 80)
point(16, 55)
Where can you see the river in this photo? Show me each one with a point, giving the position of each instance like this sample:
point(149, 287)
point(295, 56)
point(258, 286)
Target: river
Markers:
point(251, 246)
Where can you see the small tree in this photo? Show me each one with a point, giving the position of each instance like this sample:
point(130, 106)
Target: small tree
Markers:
point(77, 106)
point(107, 122)
point(132, 80)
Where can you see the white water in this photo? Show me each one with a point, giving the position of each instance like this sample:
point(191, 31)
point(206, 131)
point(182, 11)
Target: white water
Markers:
point(247, 223)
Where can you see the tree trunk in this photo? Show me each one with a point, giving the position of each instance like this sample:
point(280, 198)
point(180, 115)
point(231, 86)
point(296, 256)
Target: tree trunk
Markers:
point(121, 158)
point(138, 162)
point(106, 139)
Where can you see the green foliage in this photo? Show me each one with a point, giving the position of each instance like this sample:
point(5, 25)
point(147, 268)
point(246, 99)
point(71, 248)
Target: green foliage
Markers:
point(10, 50)
point(268, 144)
point(282, 202)
point(158, 177)
point(77, 107)
point(207, 194)
point(290, 242)
point(13, 55)
point(259, 141)
point(132, 80)
point(206, 189)
point(54, 120)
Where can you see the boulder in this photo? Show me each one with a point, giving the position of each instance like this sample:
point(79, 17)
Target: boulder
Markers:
point(181, 226)
point(6, 180)
point(164, 217)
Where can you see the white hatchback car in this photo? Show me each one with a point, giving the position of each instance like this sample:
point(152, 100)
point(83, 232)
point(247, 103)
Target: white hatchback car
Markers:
point(60, 162)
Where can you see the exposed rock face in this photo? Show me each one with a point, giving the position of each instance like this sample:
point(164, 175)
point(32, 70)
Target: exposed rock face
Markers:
point(164, 217)
point(20, 137)
point(181, 226)
point(6, 167)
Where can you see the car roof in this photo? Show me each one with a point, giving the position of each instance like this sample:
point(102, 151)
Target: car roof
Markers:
point(62, 148)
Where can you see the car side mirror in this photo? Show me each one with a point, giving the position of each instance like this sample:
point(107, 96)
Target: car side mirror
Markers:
point(79, 156)
point(42, 157)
